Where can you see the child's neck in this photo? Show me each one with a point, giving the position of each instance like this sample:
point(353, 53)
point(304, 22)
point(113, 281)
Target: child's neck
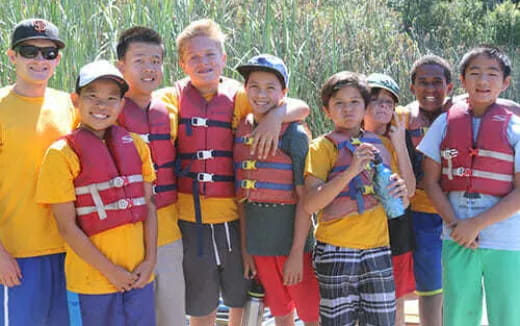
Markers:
point(478, 110)
point(377, 128)
point(29, 90)
point(350, 132)
point(98, 133)
point(207, 90)
point(141, 99)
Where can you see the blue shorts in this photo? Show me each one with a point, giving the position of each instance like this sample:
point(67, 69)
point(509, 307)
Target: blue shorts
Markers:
point(427, 254)
point(135, 307)
point(41, 299)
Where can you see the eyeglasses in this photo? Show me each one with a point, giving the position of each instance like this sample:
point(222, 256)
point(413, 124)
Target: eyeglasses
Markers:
point(387, 103)
point(31, 52)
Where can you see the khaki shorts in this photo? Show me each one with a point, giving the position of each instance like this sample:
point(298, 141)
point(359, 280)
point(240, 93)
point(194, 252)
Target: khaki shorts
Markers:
point(212, 267)
point(169, 285)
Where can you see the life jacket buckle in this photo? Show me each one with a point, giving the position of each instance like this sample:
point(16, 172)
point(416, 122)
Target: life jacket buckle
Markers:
point(199, 122)
point(355, 141)
point(205, 177)
point(204, 154)
point(462, 172)
point(118, 182)
point(473, 151)
point(145, 137)
point(367, 189)
point(124, 204)
point(247, 140)
point(248, 165)
point(248, 184)
point(449, 153)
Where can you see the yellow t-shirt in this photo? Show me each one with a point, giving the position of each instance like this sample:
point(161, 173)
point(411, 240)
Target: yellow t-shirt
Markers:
point(420, 201)
point(123, 245)
point(365, 231)
point(214, 210)
point(28, 126)
point(167, 227)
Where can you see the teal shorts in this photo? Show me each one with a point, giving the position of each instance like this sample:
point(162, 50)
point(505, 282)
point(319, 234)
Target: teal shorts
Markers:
point(468, 273)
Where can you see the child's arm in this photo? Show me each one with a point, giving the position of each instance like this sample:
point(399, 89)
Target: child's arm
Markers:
point(432, 175)
point(398, 137)
point(10, 273)
point(293, 268)
point(248, 262)
point(465, 231)
point(144, 270)
point(319, 194)
point(266, 134)
point(65, 215)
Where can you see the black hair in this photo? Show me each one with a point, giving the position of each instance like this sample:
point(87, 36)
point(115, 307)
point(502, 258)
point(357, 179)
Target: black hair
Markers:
point(431, 59)
point(136, 34)
point(490, 51)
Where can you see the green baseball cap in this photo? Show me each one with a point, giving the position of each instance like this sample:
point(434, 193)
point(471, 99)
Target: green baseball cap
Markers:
point(385, 82)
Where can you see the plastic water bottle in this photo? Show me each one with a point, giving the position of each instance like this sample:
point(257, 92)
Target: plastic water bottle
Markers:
point(393, 206)
point(254, 309)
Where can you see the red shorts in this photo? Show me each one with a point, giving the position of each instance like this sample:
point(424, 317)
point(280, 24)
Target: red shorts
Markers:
point(403, 274)
point(281, 299)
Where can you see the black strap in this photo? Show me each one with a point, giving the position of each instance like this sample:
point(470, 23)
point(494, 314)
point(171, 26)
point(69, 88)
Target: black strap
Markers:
point(193, 156)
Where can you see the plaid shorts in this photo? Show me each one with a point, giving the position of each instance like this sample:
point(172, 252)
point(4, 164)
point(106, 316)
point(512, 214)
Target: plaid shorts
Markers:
point(356, 285)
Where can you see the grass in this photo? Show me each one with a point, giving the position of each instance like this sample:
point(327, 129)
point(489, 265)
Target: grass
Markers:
point(316, 38)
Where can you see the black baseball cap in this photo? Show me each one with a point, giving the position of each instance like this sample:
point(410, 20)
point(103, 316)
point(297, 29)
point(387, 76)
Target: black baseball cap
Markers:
point(35, 29)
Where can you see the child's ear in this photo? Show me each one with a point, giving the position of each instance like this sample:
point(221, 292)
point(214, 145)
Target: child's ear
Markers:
point(462, 81)
point(412, 88)
point(121, 66)
point(507, 82)
point(11, 54)
point(326, 110)
point(449, 88)
point(74, 97)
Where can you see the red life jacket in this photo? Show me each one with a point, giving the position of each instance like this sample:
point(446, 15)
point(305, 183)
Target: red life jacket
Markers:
point(266, 181)
point(358, 195)
point(109, 188)
point(153, 125)
point(205, 140)
point(486, 166)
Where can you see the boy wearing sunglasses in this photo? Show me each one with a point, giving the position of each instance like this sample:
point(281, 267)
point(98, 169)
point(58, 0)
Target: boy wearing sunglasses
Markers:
point(32, 116)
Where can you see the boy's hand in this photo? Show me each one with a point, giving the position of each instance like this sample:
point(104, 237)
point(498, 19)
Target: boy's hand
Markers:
point(398, 131)
point(397, 188)
point(249, 265)
point(10, 274)
point(363, 154)
point(143, 272)
point(465, 232)
point(293, 269)
point(265, 136)
point(122, 279)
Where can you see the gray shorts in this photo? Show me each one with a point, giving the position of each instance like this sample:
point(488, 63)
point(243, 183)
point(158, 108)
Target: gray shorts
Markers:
point(213, 270)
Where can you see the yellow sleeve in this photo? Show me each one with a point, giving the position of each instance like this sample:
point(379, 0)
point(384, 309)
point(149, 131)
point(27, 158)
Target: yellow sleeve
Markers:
point(394, 165)
point(144, 153)
point(173, 114)
point(59, 168)
point(321, 158)
point(168, 95)
point(242, 107)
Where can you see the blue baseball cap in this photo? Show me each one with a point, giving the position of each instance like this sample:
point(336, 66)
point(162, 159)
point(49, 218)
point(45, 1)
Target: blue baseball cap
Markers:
point(266, 62)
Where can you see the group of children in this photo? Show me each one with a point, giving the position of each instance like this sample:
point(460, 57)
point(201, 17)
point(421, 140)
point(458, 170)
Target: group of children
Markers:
point(144, 205)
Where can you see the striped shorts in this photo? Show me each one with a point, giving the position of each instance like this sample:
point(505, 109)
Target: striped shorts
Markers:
point(356, 285)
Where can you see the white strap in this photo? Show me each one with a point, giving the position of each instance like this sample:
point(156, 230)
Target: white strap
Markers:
point(228, 237)
point(461, 172)
point(116, 182)
point(496, 155)
point(100, 208)
point(145, 137)
point(214, 242)
point(6, 306)
point(117, 205)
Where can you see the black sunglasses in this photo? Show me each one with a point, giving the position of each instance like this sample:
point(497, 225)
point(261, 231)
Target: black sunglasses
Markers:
point(31, 51)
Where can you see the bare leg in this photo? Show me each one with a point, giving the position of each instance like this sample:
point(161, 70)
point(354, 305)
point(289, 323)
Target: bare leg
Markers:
point(399, 312)
point(208, 320)
point(287, 320)
point(235, 316)
point(312, 323)
point(430, 310)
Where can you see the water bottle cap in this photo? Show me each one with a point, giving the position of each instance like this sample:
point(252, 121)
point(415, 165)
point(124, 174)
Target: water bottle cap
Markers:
point(256, 290)
point(377, 158)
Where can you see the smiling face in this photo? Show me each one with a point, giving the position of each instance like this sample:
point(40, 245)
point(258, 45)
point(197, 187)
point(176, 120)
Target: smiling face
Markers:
point(203, 61)
point(380, 109)
point(346, 109)
point(33, 71)
point(142, 67)
point(430, 87)
point(264, 92)
point(484, 80)
point(99, 104)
